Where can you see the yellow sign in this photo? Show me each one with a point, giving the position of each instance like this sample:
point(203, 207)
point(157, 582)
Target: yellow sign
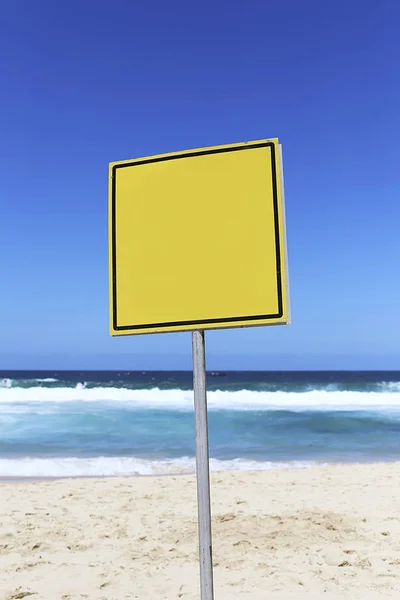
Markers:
point(197, 240)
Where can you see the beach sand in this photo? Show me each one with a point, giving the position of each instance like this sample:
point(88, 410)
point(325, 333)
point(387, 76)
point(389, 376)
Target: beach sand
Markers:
point(328, 532)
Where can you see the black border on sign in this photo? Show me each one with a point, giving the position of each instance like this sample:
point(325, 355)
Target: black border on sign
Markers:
point(135, 163)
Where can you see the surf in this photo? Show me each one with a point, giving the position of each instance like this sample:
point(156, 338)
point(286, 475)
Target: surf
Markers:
point(177, 399)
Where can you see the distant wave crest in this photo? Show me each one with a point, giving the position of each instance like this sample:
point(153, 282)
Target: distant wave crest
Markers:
point(217, 400)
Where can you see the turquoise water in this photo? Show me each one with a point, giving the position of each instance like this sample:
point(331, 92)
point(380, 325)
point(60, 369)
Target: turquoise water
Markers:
point(80, 423)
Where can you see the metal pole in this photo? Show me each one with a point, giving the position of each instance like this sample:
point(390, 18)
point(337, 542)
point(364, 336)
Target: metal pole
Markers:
point(202, 466)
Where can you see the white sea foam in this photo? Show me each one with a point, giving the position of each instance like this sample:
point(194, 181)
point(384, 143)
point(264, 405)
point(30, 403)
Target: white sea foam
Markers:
point(389, 386)
point(217, 400)
point(120, 466)
point(5, 383)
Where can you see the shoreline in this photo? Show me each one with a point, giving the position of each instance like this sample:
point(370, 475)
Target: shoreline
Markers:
point(315, 465)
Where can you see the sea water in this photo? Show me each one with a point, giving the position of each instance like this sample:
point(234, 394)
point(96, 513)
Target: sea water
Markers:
point(56, 424)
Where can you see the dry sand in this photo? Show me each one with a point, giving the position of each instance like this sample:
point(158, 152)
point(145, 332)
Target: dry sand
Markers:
point(329, 532)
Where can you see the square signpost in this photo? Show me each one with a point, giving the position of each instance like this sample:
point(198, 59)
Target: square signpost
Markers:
point(197, 241)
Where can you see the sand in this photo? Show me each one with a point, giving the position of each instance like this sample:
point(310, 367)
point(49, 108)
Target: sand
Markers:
point(329, 532)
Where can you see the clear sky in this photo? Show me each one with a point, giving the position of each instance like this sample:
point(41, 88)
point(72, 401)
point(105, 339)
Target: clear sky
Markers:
point(88, 82)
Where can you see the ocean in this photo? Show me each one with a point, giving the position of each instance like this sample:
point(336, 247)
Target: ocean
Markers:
point(103, 423)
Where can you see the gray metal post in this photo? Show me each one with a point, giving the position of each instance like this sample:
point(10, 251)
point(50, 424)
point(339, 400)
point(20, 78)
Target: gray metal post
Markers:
point(202, 466)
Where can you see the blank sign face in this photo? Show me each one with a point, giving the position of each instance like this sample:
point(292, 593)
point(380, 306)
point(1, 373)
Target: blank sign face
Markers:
point(197, 240)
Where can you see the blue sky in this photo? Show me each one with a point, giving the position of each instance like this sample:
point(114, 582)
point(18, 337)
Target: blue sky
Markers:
point(89, 82)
